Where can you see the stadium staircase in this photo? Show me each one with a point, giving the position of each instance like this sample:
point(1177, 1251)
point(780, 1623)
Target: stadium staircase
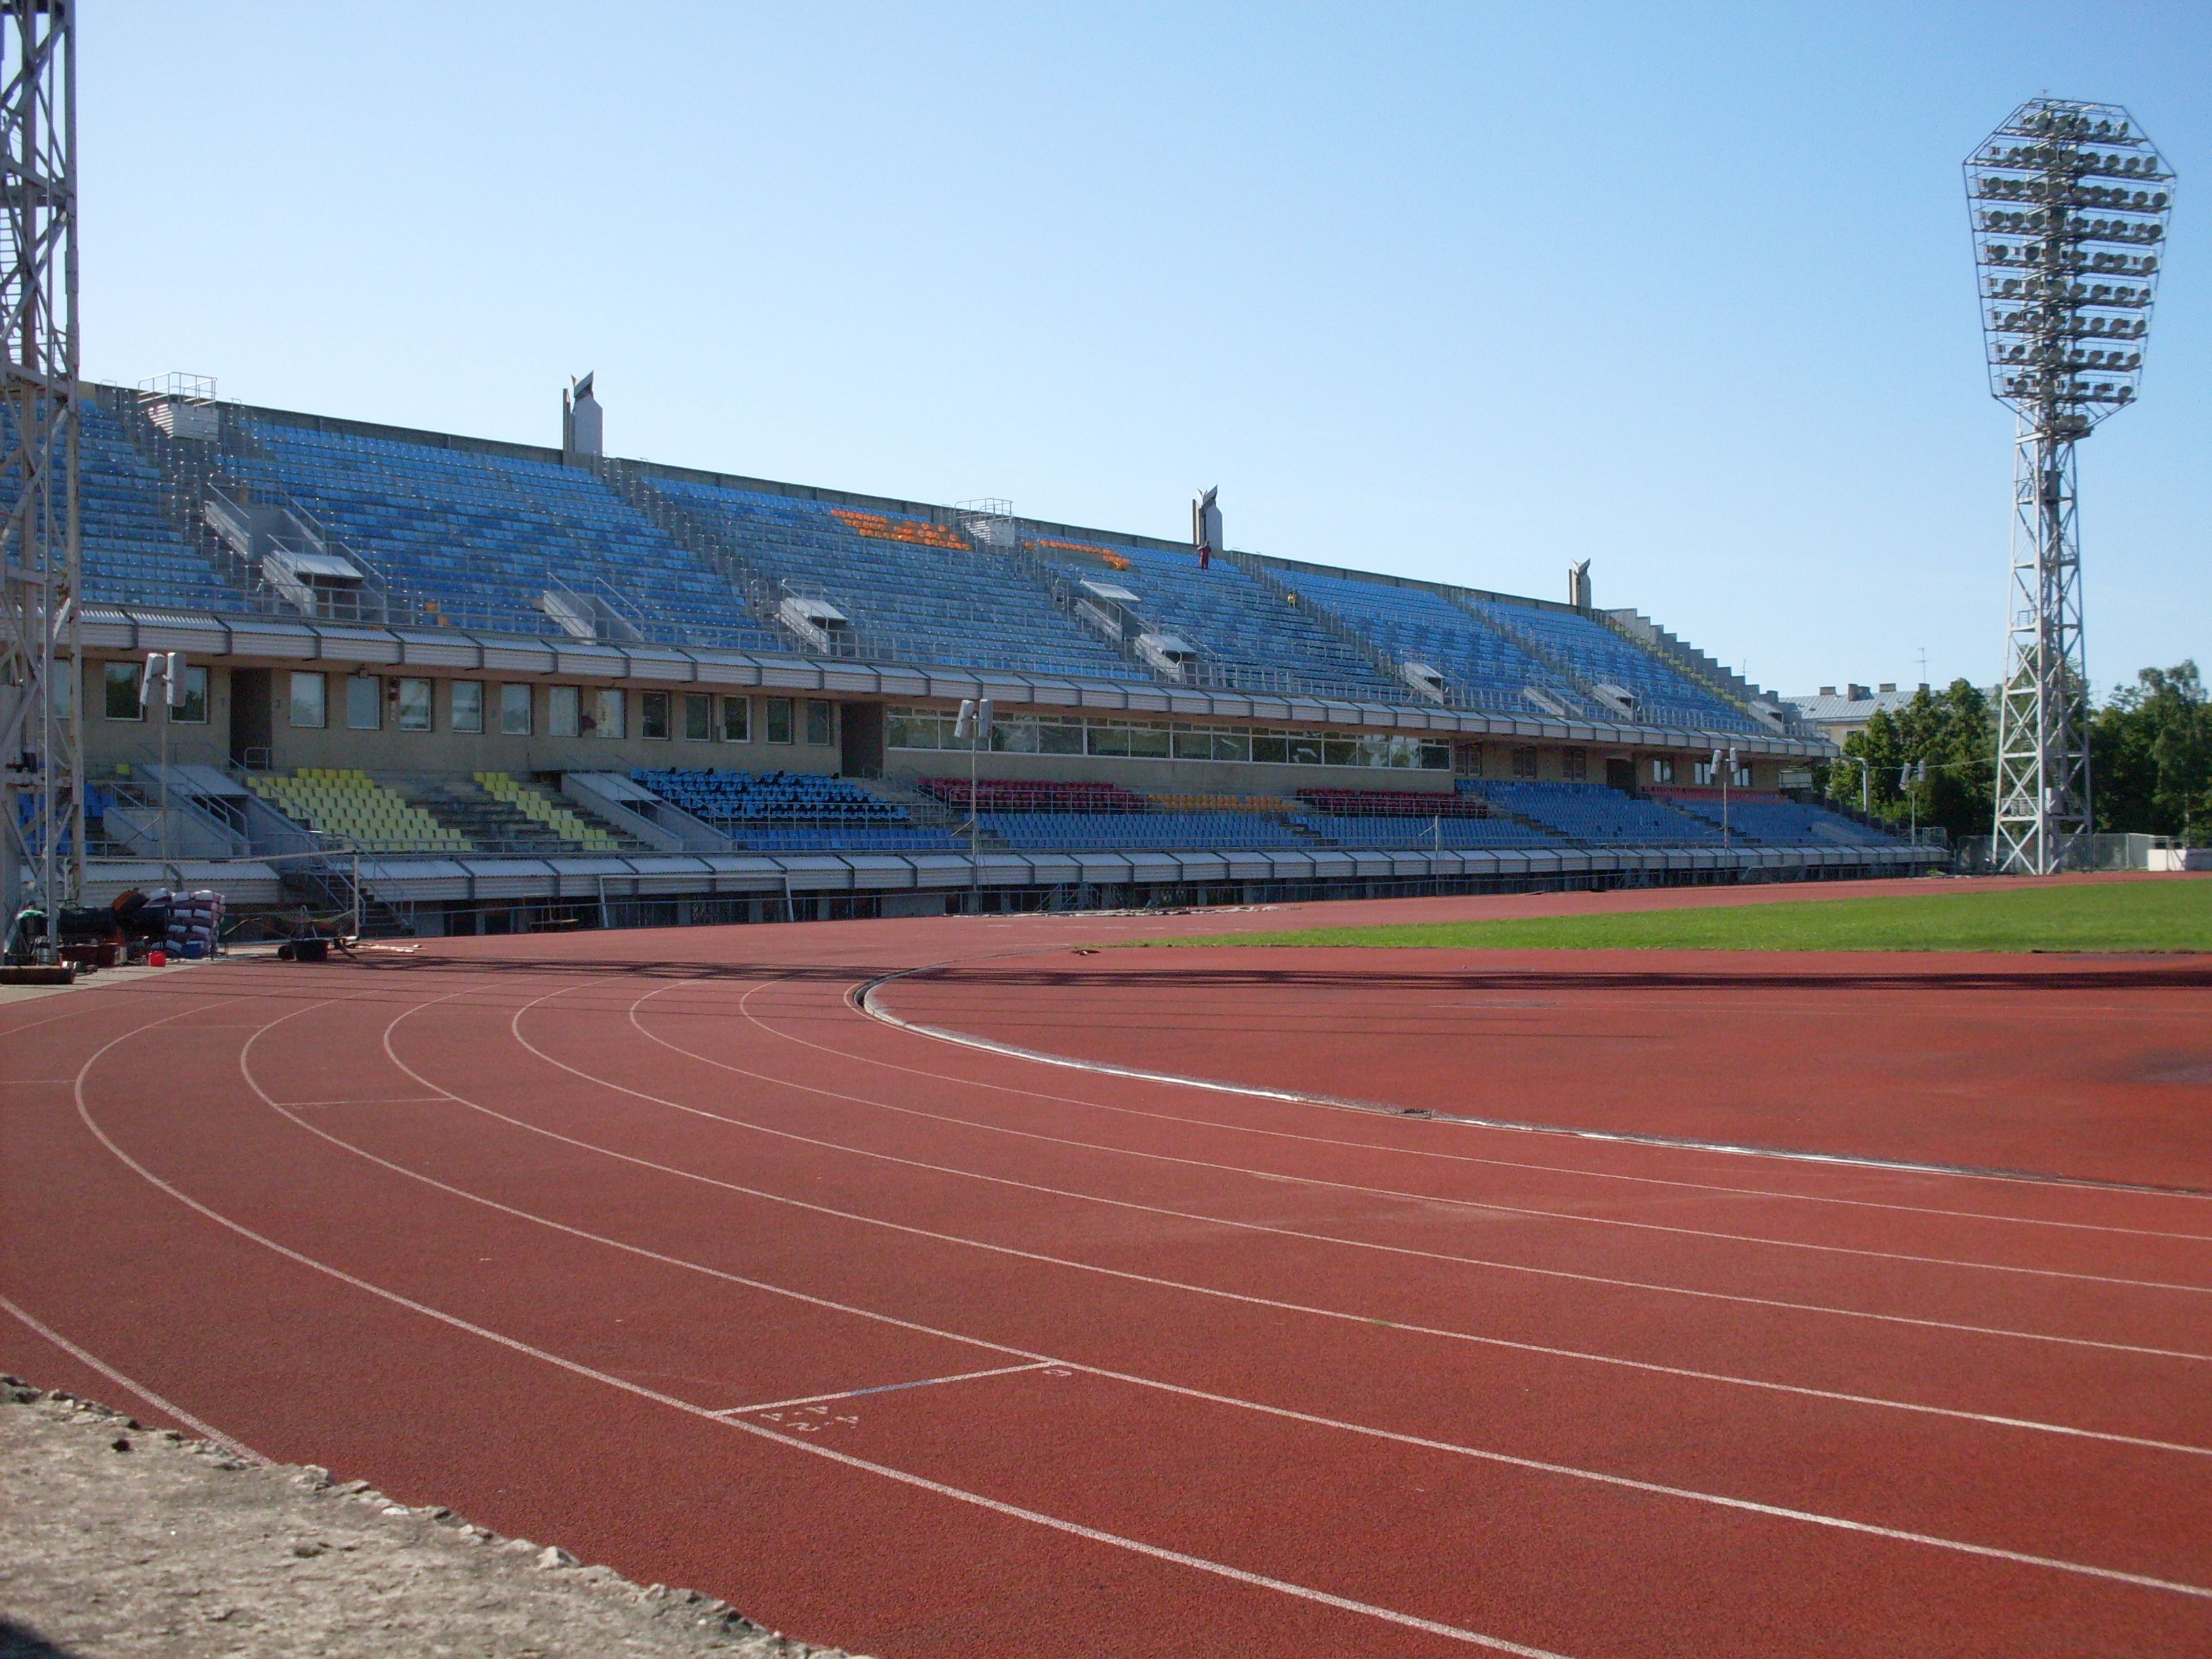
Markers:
point(1686, 659)
point(708, 541)
point(166, 479)
point(505, 817)
point(1355, 642)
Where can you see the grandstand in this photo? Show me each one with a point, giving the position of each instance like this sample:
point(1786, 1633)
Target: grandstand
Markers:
point(508, 675)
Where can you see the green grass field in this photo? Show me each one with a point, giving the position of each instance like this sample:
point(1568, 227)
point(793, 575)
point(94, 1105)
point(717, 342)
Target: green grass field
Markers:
point(2126, 915)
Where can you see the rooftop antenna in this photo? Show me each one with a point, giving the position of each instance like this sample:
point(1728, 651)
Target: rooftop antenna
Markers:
point(2069, 202)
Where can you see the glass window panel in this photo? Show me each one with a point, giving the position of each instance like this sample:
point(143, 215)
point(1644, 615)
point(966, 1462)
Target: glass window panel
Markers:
point(1339, 752)
point(1193, 742)
point(651, 714)
point(1015, 734)
point(515, 710)
point(1108, 738)
point(466, 706)
point(1305, 750)
point(607, 713)
point(1270, 747)
point(364, 702)
point(192, 709)
point(1437, 757)
point(414, 705)
point(698, 717)
point(1060, 737)
point(119, 687)
point(310, 709)
point(737, 720)
point(1149, 740)
point(1231, 745)
point(564, 712)
point(779, 719)
point(820, 722)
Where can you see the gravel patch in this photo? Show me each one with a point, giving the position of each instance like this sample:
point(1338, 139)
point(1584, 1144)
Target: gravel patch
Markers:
point(122, 1542)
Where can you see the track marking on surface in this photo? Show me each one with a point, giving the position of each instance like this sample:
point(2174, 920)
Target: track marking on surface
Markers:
point(1563, 1273)
point(372, 1100)
point(166, 1407)
point(891, 1388)
point(997, 1506)
point(867, 1003)
point(1534, 1465)
point(859, 1004)
point(1981, 1419)
point(1488, 1206)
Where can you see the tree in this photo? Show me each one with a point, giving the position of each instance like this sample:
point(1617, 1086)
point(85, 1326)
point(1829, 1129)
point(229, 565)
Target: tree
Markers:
point(1952, 732)
point(2151, 757)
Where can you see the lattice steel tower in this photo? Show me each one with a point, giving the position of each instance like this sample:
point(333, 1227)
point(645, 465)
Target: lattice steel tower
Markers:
point(41, 810)
point(2070, 204)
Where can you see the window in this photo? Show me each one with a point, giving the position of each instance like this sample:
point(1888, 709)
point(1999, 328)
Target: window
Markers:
point(364, 702)
point(605, 719)
point(737, 720)
point(310, 708)
point(191, 709)
point(119, 680)
point(515, 710)
point(1468, 758)
point(652, 714)
point(698, 717)
point(412, 700)
point(1662, 769)
point(1742, 777)
point(779, 719)
point(1270, 746)
point(1524, 762)
point(563, 711)
point(821, 723)
point(1148, 739)
point(466, 706)
point(1574, 765)
point(1305, 749)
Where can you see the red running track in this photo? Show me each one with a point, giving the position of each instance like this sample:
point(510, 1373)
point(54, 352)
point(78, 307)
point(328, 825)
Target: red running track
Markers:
point(690, 1266)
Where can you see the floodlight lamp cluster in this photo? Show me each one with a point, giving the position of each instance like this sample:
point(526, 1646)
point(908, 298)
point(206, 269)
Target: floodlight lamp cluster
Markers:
point(2070, 203)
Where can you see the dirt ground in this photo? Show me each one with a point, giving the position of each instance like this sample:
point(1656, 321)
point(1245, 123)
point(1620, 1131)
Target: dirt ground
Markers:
point(119, 1542)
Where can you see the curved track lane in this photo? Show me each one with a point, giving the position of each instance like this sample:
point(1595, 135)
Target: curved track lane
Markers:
point(694, 1268)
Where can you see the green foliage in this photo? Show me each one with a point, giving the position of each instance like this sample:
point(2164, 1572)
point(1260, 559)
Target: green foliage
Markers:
point(1953, 732)
point(2157, 914)
point(2151, 757)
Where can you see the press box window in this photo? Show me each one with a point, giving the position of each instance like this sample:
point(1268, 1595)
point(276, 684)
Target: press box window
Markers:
point(411, 699)
point(467, 706)
point(119, 684)
point(779, 719)
point(821, 723)
point(191, 709)
point(698, 717)
point(737, 720)
point(1662, 769)
point(1574, 764)
point(1524, 762)
point(515, 710)
point(563, 711)
point(364, 702)
point(652, 715)
point(310, 701)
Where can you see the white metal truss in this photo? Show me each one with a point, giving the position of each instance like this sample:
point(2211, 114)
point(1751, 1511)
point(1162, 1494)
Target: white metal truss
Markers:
point(2070, 204)
point(41, 803)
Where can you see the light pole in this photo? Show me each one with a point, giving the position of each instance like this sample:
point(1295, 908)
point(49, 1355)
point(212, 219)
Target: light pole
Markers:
point(975, 725)
point(1726, 773)
point(168, 667)
point(2070, 204)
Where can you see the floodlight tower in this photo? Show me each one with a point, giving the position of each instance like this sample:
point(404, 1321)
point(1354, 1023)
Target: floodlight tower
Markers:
point(41, 809)
point(2070, 204)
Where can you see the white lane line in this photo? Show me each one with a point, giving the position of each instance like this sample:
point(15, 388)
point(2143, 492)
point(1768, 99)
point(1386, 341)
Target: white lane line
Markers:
point(859, 1004)
point(168, 1407)
point(1486, 1205)
point(867, 1004)
point(1487, 1263)
point(372, 1100)
point(1479, 1454)
point(887, 1387)
point(996, 1506)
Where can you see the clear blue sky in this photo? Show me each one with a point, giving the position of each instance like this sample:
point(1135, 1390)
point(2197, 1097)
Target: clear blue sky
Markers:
point(1458, 292)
